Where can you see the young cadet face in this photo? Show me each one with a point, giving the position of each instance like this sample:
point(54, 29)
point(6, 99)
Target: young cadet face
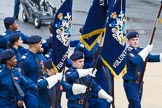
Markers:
point(51, 72)
point(12, 62)
point(38, 46)
point(134, 42)
point(19, 42)
point(78, 63)
point(14, 26)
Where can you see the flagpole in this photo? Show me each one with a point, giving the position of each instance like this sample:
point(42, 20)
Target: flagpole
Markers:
point(113, 84)
point(151, 41)
point(113, 102)
point(94, 66)
point(57, 95)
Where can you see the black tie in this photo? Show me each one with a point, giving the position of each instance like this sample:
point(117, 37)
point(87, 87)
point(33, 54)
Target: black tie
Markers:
point(17, 85)
point(39, 68)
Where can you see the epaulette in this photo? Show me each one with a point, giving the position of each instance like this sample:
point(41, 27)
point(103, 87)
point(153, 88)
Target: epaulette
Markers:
point(14, 68)
point(47, 55)
point(39, 80)
point(17, 30)
point(0, 68)
point(81, 45)
point(24, 56)
point(69, 71)
point(129, 48)
point(43, 41)
point(3, 34)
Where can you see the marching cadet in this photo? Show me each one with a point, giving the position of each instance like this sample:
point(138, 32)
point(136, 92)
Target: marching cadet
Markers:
point(76, 74)
point(89, 55)
point(31, 65)
point(12, 82)
point(135, 64)
point(11, 28)
point(103, 76)
point(15, 43)
point(33, 60)
point(46, 82)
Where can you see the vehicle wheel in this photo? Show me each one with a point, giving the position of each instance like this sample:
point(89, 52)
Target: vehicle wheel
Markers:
point(24, 16)
point(37, 22)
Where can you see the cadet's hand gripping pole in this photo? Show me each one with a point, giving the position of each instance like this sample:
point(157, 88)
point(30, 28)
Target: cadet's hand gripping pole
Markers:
point(94, 66)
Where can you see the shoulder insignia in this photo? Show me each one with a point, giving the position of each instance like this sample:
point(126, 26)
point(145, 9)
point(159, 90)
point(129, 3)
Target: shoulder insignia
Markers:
point(132, 55)
point(39, 80)
point(14, 68)
point(68, 72)
point(129, 48)
point(81, 45)
point(24, 56)
point(47, 55)
point(43, 41)
point(19, 69)
point(3, 34)
point(17, 30)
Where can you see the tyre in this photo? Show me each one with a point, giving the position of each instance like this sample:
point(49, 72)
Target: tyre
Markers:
point(37, 22)
point(24, 16)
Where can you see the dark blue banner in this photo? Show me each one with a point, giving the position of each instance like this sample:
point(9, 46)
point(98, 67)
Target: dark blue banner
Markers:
point(95, 23)
point(113, 51)
point(61, 34)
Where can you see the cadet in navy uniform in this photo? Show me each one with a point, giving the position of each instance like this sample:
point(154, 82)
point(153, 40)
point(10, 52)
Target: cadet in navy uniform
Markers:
point(46, 82)
point(33, 59)
point(9, 93)
point(11, 28)
point(15, 43)
point(135, 64)
point(76, 74)
point(102, 74)
point(89, 55)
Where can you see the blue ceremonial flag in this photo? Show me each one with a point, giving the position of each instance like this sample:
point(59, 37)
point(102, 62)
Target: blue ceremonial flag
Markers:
point(113, 50)
point(94, 24)
point(61, 34)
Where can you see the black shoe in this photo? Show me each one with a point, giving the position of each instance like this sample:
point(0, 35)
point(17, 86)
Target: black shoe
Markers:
point(16, 17)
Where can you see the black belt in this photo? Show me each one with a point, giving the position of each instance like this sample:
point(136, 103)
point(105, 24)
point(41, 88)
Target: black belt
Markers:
point(131, 81)
point(77, 101)
point(31, 90)
point(9, 99)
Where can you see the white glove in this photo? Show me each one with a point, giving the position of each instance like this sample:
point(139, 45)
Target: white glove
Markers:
point(52, 80)
point(160, 57)
point(59, 76)
point(85, 72)
point(103, 95)
point(144, 53)
point(78, 89)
